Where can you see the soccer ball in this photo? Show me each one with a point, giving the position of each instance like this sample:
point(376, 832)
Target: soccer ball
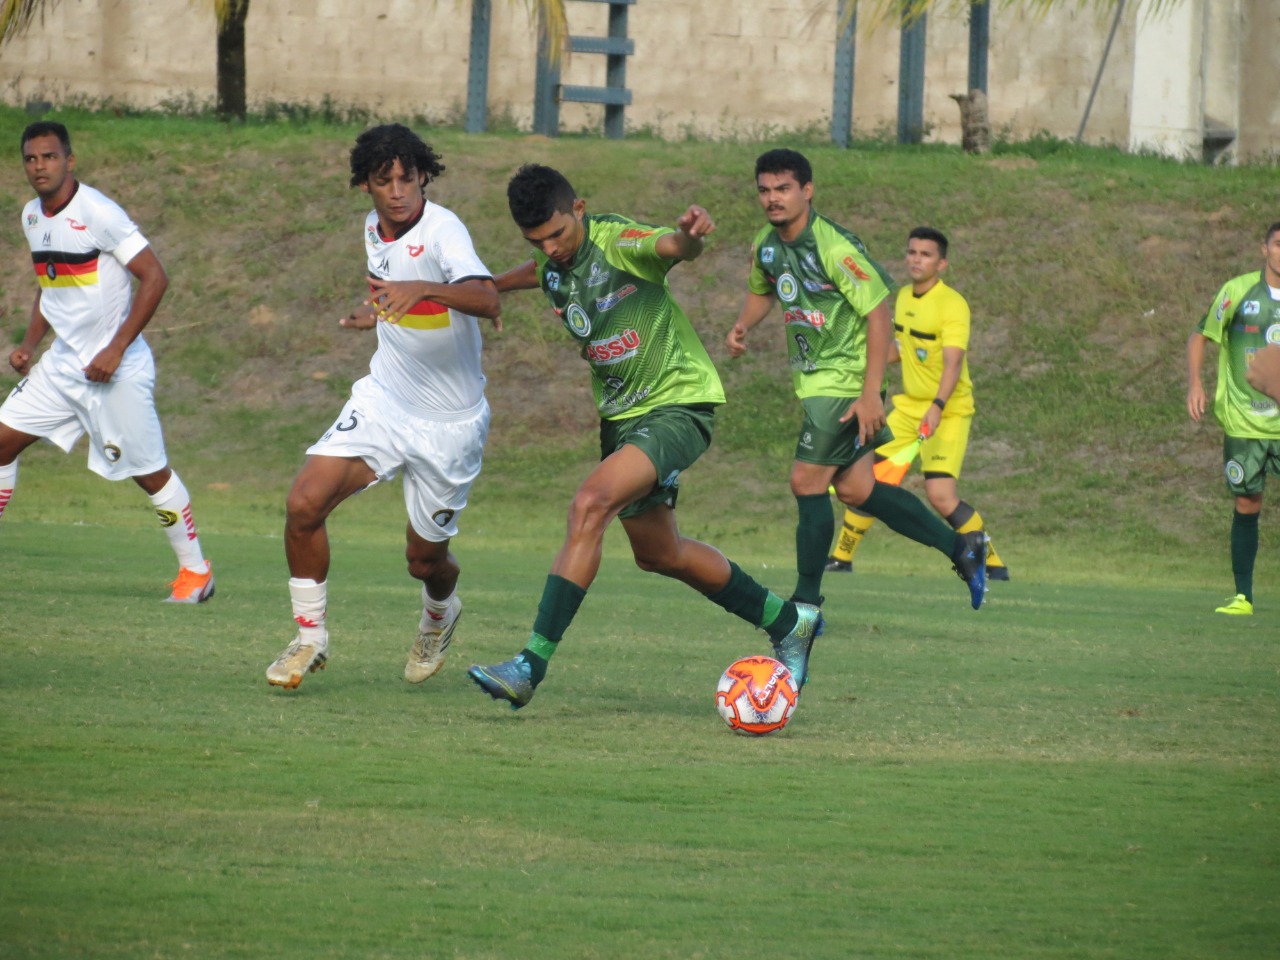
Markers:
point(756, 695)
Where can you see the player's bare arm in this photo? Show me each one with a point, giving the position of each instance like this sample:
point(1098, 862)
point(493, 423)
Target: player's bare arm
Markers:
point(152, 283)
point(686, 243)
point(754, 309)
point(37, 327)
point(952, 364)
point(523, 277)
point(869, 407)
point(477, 296)
point(1195, 387)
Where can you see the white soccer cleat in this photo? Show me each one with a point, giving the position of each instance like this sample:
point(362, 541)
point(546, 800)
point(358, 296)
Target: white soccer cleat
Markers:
point(427, 656)
point(299, 658)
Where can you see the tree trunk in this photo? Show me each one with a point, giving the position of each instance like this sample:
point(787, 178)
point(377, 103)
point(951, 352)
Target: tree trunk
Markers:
point(231, 71)
point(975, 128)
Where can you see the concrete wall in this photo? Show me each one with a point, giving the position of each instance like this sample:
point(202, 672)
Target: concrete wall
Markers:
point(716, 68)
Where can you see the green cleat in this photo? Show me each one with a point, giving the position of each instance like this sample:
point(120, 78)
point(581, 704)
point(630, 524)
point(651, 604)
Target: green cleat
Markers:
point(1237, 606)
point(793, 649)
point(511, 680)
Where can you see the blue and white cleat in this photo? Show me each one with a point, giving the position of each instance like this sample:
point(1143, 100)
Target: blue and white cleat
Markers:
point(793, 649)
point(511, 680)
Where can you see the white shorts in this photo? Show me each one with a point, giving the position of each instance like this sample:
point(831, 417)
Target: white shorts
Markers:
point(120, 417)
point(440, 458)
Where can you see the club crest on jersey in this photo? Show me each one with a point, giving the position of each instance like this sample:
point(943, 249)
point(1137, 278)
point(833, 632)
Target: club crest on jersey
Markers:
point(577, 320)
point(32, 219)
point(615, 349)
point(610, 299)
point(788, 289)
point(597, 276)
point(372, 236)
point(766, 255)
point(1273, 334)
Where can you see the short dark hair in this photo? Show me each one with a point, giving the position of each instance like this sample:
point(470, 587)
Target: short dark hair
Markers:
point(785, 161)
point(379, 147)
point(43, 128)
point(929, 233)
point(536, 193)
point(1272, 231)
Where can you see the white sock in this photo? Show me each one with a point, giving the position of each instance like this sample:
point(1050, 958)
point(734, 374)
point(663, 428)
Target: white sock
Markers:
point(173, 507)
point(309, 602)
point(433, 611)
point(8, 480)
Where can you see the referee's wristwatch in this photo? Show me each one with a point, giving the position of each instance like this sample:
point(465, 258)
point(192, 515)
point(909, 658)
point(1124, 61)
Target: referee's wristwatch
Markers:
point(940, 403)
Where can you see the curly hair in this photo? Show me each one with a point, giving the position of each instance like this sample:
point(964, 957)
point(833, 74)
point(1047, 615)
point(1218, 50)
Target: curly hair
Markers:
point(379, 147)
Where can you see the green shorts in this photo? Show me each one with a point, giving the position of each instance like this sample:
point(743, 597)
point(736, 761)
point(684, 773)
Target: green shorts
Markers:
point(1246, 462)
point(671, 437)
point(825, 440)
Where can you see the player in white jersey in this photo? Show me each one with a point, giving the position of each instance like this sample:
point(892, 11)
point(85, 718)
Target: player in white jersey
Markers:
point(99, 375)
point(421, 409)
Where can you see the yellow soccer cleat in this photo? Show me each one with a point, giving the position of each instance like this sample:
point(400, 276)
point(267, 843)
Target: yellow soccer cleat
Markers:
point(1237, 606)
point(299, 658)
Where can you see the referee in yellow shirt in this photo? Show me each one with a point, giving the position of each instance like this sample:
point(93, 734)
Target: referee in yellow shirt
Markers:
point(931, 326)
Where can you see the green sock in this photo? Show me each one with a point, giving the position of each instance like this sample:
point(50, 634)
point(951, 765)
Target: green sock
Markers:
point(905, 513)
point(744, 597)
point(814, 531)
point(561, 599)
point(1244, 551)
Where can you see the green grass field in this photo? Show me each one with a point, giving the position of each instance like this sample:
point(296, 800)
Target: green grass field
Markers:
point(1087, 768)
point(1081, 769)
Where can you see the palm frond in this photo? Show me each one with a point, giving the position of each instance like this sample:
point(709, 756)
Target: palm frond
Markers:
point(877, 13)
point(16, 15)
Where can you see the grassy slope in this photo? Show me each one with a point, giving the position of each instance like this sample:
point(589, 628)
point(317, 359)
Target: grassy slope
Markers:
point(1085, 271)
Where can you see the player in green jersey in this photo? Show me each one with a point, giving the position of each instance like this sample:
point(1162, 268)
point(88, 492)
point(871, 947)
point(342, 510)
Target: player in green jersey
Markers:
point(656, 391)
point(932, 324)
point(839, 326)
point(1244, 318)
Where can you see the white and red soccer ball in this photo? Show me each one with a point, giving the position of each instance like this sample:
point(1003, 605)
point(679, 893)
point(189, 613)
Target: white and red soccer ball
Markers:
point(756, 695)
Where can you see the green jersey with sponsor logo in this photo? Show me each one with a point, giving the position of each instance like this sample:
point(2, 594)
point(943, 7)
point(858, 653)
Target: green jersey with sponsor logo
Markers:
point(614, 300)
point(1244, 318)
point(826, 284)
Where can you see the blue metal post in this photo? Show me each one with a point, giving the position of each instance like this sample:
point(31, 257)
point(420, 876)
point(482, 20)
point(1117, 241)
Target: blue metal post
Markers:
point(478, 68)
point(911, 82)
point(979, 43)
point(842, 94)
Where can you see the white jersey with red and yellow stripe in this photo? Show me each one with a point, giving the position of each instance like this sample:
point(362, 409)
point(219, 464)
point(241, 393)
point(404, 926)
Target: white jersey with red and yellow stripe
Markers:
point(80, 253)
point(430, 360)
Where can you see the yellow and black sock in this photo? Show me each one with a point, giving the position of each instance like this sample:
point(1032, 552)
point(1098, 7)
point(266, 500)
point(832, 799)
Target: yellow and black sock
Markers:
point(855, 527)
point(966, 519)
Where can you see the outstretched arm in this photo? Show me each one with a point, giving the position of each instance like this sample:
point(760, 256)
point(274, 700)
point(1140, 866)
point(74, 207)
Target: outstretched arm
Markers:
point(523, 277)
point(686, 243)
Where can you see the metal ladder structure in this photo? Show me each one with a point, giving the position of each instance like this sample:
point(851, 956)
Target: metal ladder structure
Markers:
point(549, 92)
